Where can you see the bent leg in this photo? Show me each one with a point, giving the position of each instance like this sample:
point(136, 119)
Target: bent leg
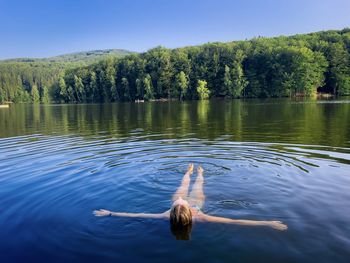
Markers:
point(197, 197)
point(182, 191)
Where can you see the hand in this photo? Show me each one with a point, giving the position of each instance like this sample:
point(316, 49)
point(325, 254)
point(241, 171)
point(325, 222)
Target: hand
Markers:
point(190, 168)
point(278, 225)
point(102, 212)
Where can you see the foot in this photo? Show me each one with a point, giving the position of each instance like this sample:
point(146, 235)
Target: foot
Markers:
point(200, 170)
point(190, 168)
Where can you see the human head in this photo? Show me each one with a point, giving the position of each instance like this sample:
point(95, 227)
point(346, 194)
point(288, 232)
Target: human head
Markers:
point(181, 219)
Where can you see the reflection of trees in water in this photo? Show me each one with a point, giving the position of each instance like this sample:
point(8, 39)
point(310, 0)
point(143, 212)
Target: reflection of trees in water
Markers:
point(36, 114)
point(241, 120)
point(203, 108)
point(233, 113)
point(185, 119)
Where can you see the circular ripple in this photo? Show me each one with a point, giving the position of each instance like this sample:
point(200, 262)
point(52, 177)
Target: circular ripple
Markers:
point(51, 184)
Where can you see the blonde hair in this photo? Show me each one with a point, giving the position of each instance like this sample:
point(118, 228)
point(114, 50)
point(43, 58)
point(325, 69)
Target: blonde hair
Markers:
point(181, 221)
point(180, 215)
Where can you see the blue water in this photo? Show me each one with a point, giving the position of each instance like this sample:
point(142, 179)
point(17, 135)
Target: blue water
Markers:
point(51, 181)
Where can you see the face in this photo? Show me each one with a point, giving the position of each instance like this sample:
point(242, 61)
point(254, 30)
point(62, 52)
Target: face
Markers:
point(180, 201)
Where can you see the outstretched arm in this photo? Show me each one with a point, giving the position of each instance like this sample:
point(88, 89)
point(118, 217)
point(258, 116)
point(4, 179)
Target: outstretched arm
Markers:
point(215, 219)
point(103, 212)
point(182, 191)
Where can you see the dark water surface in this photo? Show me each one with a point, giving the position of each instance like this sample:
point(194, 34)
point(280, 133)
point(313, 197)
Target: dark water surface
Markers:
point(264, 160)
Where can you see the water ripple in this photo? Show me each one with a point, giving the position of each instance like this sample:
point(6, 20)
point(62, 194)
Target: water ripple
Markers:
point(50, 184)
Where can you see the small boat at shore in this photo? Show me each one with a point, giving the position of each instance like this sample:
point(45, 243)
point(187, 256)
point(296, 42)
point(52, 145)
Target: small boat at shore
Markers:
point(4, 106)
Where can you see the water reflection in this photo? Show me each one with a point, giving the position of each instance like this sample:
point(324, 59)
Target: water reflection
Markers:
point(307, 122)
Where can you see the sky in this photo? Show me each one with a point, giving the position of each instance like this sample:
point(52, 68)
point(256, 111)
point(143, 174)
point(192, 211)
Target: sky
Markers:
point(44, 28)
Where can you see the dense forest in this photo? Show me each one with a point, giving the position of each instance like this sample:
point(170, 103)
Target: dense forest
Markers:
point(299, 65)
point(34, 80)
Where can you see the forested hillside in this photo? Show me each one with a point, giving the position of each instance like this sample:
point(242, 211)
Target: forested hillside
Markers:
point(299, 65)
point(260, 67)
point(34, 80)
point(84, 57)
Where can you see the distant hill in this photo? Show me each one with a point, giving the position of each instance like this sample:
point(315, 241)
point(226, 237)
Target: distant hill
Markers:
point(22, 78)
point(85, 57)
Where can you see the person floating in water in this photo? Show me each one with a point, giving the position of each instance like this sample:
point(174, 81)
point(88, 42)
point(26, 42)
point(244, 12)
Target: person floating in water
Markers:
point(187, 209)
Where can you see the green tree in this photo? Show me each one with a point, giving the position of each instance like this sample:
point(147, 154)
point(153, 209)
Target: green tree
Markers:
point(2, 95)
point(239, 82)
point(227, 80)
point(160, 69)
point(339, 69)
point(103, 86)
point(111, 81)
point(343, 87)
point(62, 89)
point(125, 87)
point(34, 93)
point(147, 82)
point(22, 96)
point(79, 89)
point(309, 70)
point(70, 94)
point(93, 87)
point(182, 84)
point(202, 90)
point(139, 89)
point(45, 95)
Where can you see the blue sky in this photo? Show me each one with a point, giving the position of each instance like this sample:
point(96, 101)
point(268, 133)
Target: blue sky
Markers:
point(39, 28)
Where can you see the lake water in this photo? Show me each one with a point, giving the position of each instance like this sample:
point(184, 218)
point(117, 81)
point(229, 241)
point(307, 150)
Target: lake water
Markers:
point(264, 160)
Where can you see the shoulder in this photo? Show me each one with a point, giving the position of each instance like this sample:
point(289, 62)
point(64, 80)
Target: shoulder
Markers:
point(199, 217)
point(166, 214)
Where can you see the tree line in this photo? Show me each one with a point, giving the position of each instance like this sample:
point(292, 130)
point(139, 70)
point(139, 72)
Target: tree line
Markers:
point(29, 81)
point(34, 79)
point(299, 65)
